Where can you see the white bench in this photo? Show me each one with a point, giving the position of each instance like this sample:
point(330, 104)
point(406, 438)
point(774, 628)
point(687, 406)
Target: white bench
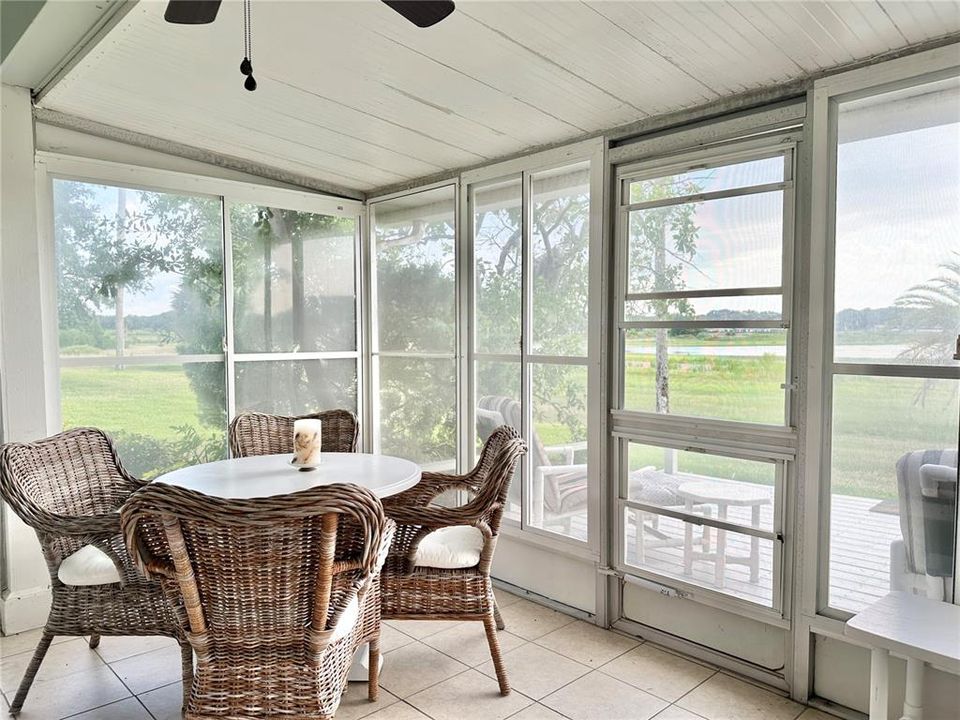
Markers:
point(921, 630)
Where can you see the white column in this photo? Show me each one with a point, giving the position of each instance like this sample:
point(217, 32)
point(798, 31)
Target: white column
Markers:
point(26, 598)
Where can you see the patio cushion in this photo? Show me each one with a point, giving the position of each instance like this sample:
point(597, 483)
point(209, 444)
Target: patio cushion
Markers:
point(449, 548)
point(88, 566)
point(347, 620)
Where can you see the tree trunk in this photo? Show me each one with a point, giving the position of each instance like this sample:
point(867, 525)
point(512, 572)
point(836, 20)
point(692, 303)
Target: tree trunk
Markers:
point(663, 359)
point(663, 372)
point(119, 325)
point(120, 328)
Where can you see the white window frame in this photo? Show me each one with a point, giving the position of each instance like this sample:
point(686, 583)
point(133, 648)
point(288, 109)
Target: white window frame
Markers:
point(825, 98)
point(752, 441)
point(50, 166)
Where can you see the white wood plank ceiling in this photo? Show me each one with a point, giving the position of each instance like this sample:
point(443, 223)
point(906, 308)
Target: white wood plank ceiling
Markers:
point(350, 93)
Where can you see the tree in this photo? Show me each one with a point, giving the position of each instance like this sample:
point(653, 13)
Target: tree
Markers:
point(102, 257)
point(933, 311)
point(663, 244)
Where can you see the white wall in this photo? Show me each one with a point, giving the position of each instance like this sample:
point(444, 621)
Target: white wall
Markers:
point(842, 673)
point(567, 580)
point(25, 601)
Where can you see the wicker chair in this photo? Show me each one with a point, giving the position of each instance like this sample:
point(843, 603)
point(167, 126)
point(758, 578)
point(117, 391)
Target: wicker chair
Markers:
point(277, 593)
point(68, 488)
point(422, 580)
point(254, 433)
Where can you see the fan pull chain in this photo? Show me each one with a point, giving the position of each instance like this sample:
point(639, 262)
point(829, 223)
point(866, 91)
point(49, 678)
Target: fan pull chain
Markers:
point(246, 65)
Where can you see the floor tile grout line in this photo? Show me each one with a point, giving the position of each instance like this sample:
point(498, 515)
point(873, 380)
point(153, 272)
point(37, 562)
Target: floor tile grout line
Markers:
point(136, 654)
point(100, 707)
point(706, 679)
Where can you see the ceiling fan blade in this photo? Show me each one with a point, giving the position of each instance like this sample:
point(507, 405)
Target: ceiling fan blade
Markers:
point(191, 12)
point(422, 13)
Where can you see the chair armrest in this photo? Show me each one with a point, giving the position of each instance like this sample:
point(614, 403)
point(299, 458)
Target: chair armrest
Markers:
point(434, 517)
point(106, 525)
point(431, 486)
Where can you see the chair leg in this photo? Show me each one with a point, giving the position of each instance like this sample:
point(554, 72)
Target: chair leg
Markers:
point(186, 661)
point(31, 672)
point(373, 679)
point(490, 625)
point(497, 616)
point(94, 641)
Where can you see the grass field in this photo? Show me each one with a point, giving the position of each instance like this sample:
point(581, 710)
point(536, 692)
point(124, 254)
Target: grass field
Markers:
point(146, 400)
point(876, 420)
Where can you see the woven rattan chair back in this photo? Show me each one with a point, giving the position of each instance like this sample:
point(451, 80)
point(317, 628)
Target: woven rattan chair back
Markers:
point(263, 584)
point(254, 433)
point(75, 473)
point(69, 488)
point(415, 592)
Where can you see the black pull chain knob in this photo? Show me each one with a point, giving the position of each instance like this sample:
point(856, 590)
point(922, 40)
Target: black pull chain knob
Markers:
point(246, 67)
point(250, 84)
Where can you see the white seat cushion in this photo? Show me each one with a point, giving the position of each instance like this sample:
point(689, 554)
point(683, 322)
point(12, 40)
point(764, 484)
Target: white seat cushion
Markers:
point(88, 566)
point(458, 546)
point(347, 620)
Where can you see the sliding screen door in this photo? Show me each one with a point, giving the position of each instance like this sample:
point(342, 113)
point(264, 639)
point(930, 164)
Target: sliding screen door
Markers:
point(530, 242)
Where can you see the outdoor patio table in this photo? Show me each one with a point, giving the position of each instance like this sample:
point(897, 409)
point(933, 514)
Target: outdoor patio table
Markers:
point(268, 475)
point(723, 495)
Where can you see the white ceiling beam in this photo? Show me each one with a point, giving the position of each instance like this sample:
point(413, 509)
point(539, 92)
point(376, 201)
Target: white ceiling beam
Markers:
point(59, 37)
point(188, 152)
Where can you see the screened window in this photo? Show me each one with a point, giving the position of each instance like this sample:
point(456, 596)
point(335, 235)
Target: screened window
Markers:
point(704, 330)
point(415, 328)
point(140, 311)
point(531, 287)
point(892, 453)
point(294, 290)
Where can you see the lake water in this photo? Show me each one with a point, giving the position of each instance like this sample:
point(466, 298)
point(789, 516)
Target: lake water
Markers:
point(844, 352)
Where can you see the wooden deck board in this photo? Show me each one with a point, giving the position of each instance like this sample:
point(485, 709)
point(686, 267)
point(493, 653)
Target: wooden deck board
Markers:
point(860, 554)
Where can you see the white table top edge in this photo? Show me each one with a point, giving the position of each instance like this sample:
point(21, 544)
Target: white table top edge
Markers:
point(892, 623)
point(261, 476)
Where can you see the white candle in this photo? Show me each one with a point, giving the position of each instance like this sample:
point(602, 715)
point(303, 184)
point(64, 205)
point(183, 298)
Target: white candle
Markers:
point(306, 441)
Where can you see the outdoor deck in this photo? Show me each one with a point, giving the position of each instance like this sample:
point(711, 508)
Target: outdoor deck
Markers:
point(860, 552)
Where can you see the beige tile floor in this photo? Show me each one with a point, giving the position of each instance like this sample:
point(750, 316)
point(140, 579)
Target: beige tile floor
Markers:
point(559, 668)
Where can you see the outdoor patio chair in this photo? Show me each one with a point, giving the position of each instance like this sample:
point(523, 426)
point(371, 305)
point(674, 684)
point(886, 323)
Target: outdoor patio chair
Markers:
point(439, 565)
point(913, 559)
point(560, 490)
point(254, 433)
point(69, 488)
point(275, 594)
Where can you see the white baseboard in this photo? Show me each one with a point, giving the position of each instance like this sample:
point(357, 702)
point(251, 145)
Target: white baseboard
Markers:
point(24, 610)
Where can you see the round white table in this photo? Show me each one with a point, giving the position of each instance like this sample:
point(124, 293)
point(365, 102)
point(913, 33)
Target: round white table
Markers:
point(268, 475)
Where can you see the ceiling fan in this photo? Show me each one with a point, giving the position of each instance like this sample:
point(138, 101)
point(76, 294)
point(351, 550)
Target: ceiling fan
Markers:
point(422, 13)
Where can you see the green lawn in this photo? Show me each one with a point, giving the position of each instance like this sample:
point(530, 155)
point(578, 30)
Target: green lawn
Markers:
point(876, 419)
point(138, 399)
